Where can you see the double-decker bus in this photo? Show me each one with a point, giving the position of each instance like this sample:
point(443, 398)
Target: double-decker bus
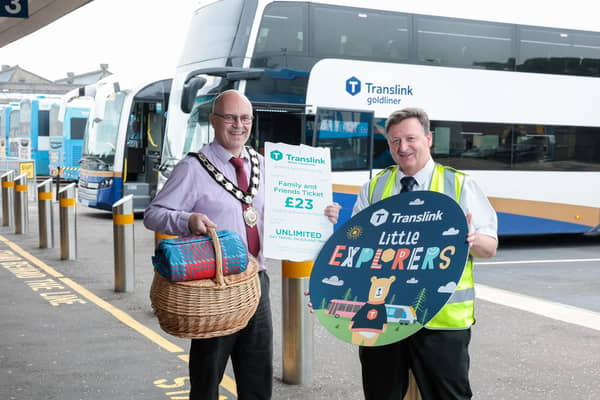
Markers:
point(67, 132)
point(122, 144)
point(32, 140)
point(512, 95)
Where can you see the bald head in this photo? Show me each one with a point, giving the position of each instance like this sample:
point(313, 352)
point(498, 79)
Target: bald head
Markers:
point(231, 119)
point(227, 96)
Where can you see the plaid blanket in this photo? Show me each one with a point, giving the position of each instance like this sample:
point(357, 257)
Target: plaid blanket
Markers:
point(190, 259)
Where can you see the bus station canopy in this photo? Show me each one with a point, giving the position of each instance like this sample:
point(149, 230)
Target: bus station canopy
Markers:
point(41, 13)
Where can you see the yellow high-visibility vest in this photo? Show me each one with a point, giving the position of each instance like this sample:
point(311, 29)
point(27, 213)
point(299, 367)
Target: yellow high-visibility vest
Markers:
point(459, 312)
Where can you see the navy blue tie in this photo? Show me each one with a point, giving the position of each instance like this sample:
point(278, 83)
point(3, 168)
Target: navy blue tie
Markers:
point(408, 184)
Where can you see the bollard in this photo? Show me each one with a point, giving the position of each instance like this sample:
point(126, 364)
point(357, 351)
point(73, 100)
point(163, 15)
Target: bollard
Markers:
point(21, 204)
point(124, 244)
point(8, 186)
point(297, 323)
point(68, 225)
point(45, 214)
point(159, 237)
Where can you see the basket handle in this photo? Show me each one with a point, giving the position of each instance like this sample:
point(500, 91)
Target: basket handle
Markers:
point(218, 257)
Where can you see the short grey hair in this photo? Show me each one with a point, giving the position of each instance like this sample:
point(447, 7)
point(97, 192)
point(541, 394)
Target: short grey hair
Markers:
point(410, 112)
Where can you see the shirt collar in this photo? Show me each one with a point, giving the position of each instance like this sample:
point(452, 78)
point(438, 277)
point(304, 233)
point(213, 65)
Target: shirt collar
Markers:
point(423, 175)
point(223, 154)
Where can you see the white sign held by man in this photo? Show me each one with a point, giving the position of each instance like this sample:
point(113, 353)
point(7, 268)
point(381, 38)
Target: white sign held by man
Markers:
point(298, 188)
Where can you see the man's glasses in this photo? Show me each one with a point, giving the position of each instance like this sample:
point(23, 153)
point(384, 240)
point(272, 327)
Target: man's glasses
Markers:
point(230, 118)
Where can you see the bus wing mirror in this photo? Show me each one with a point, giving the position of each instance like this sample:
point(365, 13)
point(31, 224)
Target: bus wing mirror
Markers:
point(189, 93)
point(249, 74)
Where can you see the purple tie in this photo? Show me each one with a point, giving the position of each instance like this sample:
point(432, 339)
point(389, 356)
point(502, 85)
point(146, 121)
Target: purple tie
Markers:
point(242, 182)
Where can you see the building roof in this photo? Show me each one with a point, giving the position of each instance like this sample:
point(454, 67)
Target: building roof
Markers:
point(16, 74)
point(87, 78)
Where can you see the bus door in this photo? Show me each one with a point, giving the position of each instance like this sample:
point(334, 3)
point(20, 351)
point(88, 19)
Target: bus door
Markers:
point(56, 140)
point(285, 123)
point(145, 132)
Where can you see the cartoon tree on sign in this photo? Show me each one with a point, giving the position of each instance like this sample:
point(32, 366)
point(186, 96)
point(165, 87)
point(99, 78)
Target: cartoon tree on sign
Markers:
point(323, 303)
point(348, 294)
point(419, 302)
point(392, 299)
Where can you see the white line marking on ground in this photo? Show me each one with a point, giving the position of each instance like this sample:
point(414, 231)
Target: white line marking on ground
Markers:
point(537, 261)
point(545, 308)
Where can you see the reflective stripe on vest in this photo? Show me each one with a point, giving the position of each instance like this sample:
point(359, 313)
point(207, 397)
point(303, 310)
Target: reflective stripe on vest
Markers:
point(458, 313)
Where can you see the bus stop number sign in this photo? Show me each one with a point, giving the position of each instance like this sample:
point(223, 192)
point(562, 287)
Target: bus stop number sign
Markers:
point(14, 8)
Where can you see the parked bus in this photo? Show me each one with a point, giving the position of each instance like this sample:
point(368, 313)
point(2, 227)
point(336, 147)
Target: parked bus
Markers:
point(67, 132)
point(3, 130)
point(10, 126)
point(32, 140)
point(121, 148)
point(512, 96)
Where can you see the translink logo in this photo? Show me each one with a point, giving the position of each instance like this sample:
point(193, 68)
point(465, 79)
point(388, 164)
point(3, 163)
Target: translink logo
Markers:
point(276, 155)
point(353, 86)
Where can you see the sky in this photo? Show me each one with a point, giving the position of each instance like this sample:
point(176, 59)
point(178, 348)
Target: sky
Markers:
point(143, 38)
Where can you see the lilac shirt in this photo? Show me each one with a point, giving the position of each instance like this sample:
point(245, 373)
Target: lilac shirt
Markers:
point(190, 189)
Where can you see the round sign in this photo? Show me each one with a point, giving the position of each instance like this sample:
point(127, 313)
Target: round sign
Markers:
point(388, 270)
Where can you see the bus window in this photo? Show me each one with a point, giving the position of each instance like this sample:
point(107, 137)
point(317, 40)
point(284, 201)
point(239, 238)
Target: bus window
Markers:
point(348, 134)
point(360, 34)
point(457, 43)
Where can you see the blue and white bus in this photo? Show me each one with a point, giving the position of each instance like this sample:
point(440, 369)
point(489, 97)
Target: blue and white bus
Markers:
point(67, 132)
point(123, 142)
point(9, 126)
point(4, 118)
point(512, 95)
point(32, 141)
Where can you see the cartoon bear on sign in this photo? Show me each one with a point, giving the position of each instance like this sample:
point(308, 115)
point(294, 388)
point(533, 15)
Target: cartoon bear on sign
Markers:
point(371, 319)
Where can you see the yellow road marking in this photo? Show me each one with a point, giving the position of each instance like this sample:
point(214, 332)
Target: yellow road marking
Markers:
point(34, 260)
point(227, 383)
point(123, 317)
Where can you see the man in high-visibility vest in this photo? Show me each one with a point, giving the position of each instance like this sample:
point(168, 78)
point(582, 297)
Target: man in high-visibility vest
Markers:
point(437, 354)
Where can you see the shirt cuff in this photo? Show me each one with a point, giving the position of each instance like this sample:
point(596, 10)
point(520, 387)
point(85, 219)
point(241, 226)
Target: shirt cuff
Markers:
point(183, 224)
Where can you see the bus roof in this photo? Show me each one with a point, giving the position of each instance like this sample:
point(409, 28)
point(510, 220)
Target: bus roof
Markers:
point(579, 15)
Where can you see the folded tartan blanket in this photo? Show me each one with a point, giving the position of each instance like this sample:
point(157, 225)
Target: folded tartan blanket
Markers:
point(190, 259)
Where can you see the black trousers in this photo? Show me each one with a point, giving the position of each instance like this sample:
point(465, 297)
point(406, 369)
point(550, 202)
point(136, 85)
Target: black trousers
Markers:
point(251, 352)
point(439, 360)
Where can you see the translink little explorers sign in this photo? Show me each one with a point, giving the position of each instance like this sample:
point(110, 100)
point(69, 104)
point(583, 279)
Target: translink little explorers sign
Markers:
point(390, 269)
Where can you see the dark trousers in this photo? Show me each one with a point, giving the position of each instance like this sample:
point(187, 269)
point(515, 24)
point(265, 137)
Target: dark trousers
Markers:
point(251, 352)
point(439, 360)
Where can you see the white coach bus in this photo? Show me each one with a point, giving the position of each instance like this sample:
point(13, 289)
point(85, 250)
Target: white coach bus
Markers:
point(512, 92)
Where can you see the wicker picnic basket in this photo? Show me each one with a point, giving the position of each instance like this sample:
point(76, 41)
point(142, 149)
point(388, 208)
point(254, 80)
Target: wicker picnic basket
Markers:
point(207, 308)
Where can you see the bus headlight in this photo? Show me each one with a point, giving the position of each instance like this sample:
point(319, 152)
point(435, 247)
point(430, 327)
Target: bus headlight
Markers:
point(107, 182)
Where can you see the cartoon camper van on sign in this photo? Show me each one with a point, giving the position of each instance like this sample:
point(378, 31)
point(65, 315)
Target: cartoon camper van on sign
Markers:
point(371, 319)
